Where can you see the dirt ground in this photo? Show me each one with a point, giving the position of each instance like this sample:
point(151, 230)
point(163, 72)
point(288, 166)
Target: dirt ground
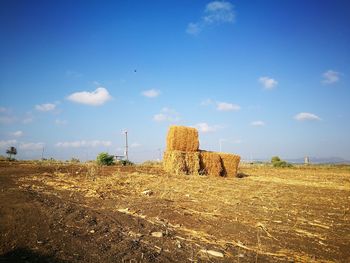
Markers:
point(56, 212)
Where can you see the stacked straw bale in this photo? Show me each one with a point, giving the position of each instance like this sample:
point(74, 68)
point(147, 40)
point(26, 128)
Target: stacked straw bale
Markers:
point(229, 164)
point(210, 163)
point(182, 155)
point(180, 162)
point(181, 138)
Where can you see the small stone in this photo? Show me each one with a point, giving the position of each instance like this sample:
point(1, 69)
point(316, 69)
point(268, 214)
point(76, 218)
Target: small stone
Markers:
point(148, 192)
point(92, 231)
point(178, 244)
point(157, 234)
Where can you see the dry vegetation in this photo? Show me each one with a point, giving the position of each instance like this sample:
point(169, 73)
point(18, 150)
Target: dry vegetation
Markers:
point(270, 214)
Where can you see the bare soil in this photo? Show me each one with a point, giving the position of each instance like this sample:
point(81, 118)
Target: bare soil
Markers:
point(56, 212)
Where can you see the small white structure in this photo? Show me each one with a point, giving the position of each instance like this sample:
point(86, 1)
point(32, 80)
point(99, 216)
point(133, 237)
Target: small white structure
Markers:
point(306, 160)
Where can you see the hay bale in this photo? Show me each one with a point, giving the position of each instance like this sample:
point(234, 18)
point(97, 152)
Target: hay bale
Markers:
point(180, 162)
point(230, 164)
point(210, 163)
point(181, 138)
point(192, 162)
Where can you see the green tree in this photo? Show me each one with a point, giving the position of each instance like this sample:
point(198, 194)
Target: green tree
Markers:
point(105, 159)
point(275, 159)
point(11, 151)
point(277, 162)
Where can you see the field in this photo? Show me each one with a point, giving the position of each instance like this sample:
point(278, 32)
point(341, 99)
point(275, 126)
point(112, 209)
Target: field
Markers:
point(56, 212)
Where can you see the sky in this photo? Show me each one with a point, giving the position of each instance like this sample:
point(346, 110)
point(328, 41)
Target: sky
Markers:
point(256, 78)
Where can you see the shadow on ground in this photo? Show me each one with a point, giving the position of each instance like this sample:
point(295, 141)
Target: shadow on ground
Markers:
point(26, 255)
point(242, 175)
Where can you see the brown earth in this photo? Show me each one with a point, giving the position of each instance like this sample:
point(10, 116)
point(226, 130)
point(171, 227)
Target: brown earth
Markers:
point(55, 212)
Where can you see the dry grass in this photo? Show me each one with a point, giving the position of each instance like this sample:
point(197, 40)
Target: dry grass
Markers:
point(285, 213)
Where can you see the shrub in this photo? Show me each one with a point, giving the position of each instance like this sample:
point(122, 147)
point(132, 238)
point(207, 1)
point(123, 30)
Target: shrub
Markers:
point(282, 164)
point(74, 160)
point(275, 159)
point(105, 159)
point(126, 162)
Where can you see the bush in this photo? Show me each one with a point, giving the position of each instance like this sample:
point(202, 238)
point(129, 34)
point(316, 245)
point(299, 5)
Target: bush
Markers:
point(105, 159)
point(275, 159)
point(126, 162)
point(74, 160)
point(282, 164)
point(277, 162)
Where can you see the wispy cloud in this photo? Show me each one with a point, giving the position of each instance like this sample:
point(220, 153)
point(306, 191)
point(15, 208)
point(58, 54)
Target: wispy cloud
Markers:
point(225, 106)
point(94, 98)
point(45, 107)
point(205, 127)
point(31, 146)
point(135, 145)
point(257, 123)
point(207, 102)
point(83, 143)
point(73, 74)
point(330, 77)
point(306, 116)
point(268, 83)
point(59, 122)
point(7, 143)
point(3, 110)
point(151, 93)
point(16, 133)
point(7, 119)
point(167, 114)
point(215, 13)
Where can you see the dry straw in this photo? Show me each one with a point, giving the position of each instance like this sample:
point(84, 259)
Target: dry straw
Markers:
point(180, 162)
point(210, 163)
point(230, 164)
point(181, 138)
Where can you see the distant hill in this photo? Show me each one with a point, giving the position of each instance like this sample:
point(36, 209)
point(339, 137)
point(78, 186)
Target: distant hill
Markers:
point(319, 160)
point(313, 160)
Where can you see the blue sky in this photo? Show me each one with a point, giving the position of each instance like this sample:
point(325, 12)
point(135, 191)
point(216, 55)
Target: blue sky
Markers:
point(259, 78)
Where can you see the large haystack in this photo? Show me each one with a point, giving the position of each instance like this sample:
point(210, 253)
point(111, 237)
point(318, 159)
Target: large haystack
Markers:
point(180, 162)
point(230, 164)
point(182, 155)
point(181, 138)
point(210, 163)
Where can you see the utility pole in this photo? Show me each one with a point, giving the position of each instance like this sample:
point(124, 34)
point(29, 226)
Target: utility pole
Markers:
point(126, 146)
point(42, 154)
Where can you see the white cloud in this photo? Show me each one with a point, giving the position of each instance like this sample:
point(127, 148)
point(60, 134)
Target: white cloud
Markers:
point(166, 114)
point(207, 102)
point(152, 93)
point(219, 12)
point(330, 77)
point(257, 123)
point(59, 122)
point(7, 143)
point(268, 83)
point(205, 127)
point(193, 29)
point(3, 110)
point(45, 107)
point(215, 12)
point(83, 143)
point(224, 106)
point(16, 134)
point(32, 146)
point(135, 145)
point(7, 119)
point(94, 98)
point(306, 116)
